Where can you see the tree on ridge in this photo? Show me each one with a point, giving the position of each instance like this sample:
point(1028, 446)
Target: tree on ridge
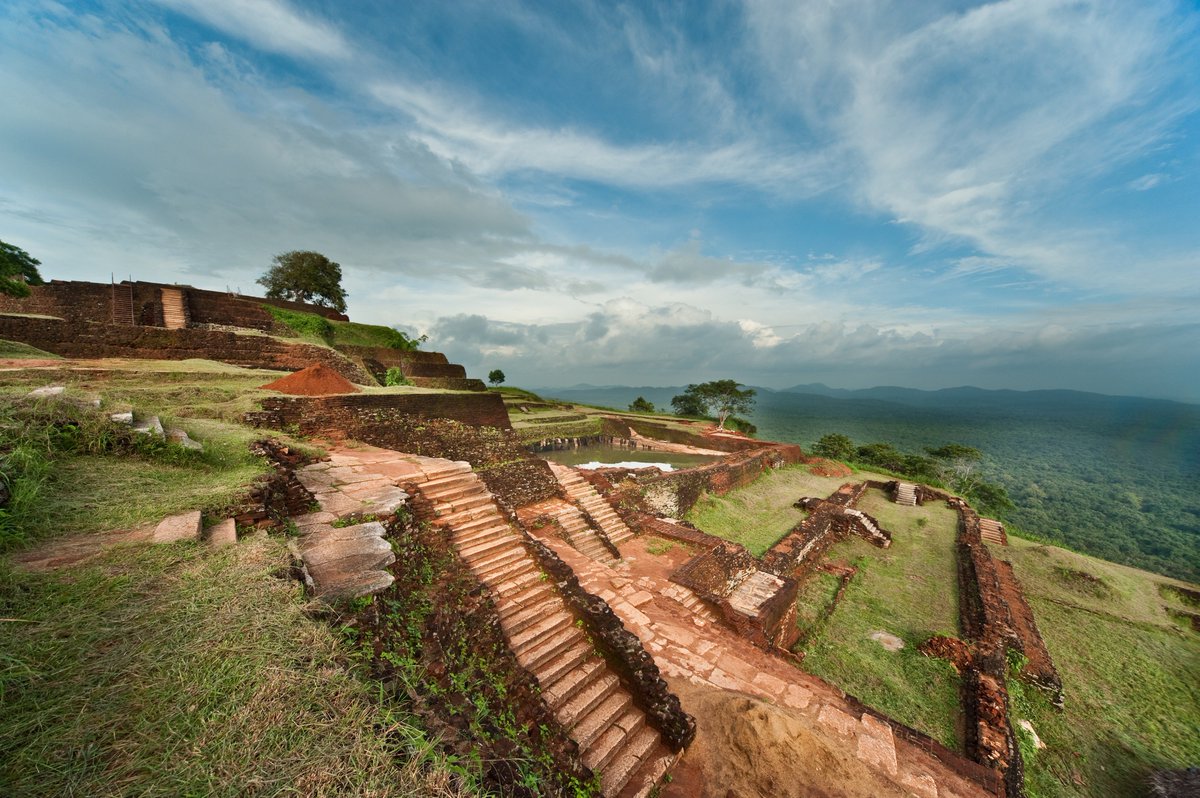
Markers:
point(305, 276)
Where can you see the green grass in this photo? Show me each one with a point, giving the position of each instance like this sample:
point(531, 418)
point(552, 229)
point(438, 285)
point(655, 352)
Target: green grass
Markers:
point(758, 515)
point(169, 670)
point(909, 590)
point(317, 329)
point(16, 349)
point(1131, 675)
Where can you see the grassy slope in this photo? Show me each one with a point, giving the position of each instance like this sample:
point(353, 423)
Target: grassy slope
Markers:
point(169, 670)
point(1130, 672)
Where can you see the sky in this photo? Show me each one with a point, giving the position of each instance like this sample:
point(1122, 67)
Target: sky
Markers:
point(855, 192)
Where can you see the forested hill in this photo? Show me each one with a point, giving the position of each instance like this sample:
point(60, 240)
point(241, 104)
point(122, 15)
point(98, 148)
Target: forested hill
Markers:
point(1108, 475)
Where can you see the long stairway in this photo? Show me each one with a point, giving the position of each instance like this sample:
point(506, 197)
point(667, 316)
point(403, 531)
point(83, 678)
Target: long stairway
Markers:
point(122, 303)
point(579, 533)
point(993, 532)
point(585, 695)
point(592, 503)
point(174, 314)
point(906, 494)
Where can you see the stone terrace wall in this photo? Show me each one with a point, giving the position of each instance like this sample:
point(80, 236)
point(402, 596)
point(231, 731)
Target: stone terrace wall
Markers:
point(675, 492)
point(619, 426)
point(458, 426)
point(91, 340)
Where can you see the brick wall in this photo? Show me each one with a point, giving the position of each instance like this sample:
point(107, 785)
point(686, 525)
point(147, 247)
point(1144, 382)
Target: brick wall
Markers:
point(93, 340)
point(619, 426)
point(675, 492)
point(84, 301)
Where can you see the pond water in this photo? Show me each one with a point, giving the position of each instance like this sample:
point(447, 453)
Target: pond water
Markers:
point(598, 455)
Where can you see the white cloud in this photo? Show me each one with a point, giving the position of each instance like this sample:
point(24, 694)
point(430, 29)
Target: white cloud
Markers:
point(1147, 182)
point(271, 25)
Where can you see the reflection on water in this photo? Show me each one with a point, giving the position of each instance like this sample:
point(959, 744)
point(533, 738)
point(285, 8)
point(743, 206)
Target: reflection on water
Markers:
point(599, 455)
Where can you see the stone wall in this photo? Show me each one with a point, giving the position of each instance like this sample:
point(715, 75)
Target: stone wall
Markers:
point(86, 339)
point(674, 493)
point(620, 425)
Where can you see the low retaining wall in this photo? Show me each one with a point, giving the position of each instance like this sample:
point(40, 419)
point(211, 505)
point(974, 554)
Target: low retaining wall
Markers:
point(86, 339)
point(620, 425)
point(674, 493)
point(986, 621)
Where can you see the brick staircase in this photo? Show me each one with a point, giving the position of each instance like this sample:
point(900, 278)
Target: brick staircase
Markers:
point(122, 304)
point(174, 313)
point(992, 532)
point(867, 521)
point(583, 692)
point(580, 534)
point(592, 503)
point(906, 494)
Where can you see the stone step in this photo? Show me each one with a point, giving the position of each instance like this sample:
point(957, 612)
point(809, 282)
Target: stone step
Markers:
point(605, 749)
point(460, 518)
point(574, 657)
point(442, 509)
point(571, 682)
point(548, 625)
point(601, 685)
point(540, 652)
point(469, 528)
point(629, 760)
point(599, 720)
point(223, 534)
point(477, 550)
point(519, 584)
point(503, 558)
point(521, 617)
point(525, 598)
point(500, 573)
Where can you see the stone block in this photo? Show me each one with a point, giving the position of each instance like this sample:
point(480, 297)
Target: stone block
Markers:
point(47, 390)
point(877, 752)
point(837, 720)
point(223, 534)
point(178, 527)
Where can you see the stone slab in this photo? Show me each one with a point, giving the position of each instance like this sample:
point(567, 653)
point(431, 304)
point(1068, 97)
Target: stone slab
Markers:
point(178, 527)
point(223, 534)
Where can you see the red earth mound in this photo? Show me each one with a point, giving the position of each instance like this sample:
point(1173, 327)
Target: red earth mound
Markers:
point(821, 467)
point(316, 380)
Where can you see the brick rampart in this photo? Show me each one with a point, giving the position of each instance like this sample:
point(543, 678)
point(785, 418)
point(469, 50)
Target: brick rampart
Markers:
point(84, 301)
point(93, 340)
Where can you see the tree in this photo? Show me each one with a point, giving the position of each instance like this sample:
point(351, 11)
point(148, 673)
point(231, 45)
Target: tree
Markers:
point(496, 376)
point(18, 270)
point(688, 404)
point(303, 276)
point(835, 446)
point(640, 405)
point(722, 397)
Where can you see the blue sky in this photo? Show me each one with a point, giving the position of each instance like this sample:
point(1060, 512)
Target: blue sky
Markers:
point(925, 194)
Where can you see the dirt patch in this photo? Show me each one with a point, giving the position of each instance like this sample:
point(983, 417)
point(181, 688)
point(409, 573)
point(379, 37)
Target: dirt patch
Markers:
point(887, 640)
point(316, 380)
point(745, 748)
